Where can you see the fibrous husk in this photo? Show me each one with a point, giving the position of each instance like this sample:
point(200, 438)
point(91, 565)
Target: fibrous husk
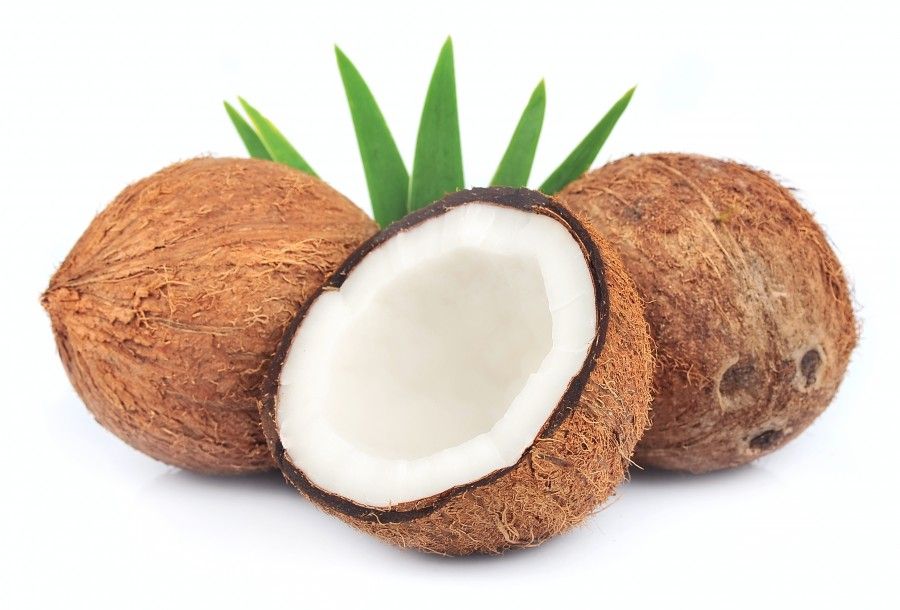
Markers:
point(747, 303)
point(576, 461)
point(168, 309)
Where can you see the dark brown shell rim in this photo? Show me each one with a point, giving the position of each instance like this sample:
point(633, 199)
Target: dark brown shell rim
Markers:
point(517, 198)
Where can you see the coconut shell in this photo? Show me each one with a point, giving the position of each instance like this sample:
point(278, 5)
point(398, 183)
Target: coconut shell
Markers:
point(578, 458)
point(167, 310)
point(747, 303)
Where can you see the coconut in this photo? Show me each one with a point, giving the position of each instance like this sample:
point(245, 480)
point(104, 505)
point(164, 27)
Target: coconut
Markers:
point(472, 379)
point(168, 309)
point(747, 303)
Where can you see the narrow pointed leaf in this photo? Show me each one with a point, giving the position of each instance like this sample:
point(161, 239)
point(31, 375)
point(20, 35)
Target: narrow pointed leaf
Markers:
point(437, 167)
point(276, 144)
point(587, 150)
point(251, 140)
point(386, 174)
point(515, 166)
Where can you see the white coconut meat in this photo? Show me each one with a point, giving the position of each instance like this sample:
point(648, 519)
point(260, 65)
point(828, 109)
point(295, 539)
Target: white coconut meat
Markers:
point(440, 358)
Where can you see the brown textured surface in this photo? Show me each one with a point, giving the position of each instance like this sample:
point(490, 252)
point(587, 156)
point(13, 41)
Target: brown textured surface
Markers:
point(579, 458)
point(746, 301)
point(168, 309)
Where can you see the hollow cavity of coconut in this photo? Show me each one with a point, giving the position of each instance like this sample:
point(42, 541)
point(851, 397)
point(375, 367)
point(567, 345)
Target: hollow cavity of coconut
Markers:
point(747, 303)
point(170, 306)
point(472, 379)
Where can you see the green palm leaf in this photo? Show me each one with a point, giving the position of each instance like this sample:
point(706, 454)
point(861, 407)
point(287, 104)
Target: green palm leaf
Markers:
point(580, 159)
point(386, 174)
point(515, 167)
point(251, 140)
point(275, 143)
point(437, 168)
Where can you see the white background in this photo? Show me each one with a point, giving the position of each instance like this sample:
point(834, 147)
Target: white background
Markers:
point(95, 96)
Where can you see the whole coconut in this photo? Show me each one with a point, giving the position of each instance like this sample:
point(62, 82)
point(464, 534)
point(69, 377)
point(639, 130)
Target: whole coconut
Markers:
point(747, 303)
point(167, 310)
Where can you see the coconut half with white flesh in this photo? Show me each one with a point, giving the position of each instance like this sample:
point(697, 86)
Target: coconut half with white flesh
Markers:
point(473, 378)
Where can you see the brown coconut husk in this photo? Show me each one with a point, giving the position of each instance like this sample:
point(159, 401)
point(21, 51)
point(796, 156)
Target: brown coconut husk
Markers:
point(168, 309)
point(747, 303)
point(579, 457)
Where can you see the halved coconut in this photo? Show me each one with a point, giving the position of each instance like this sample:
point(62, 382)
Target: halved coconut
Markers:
point(471, 379)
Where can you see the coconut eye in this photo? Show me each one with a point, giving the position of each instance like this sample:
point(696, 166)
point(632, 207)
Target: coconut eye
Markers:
point(766, 440)
point(809, 367)
point(739, 386)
